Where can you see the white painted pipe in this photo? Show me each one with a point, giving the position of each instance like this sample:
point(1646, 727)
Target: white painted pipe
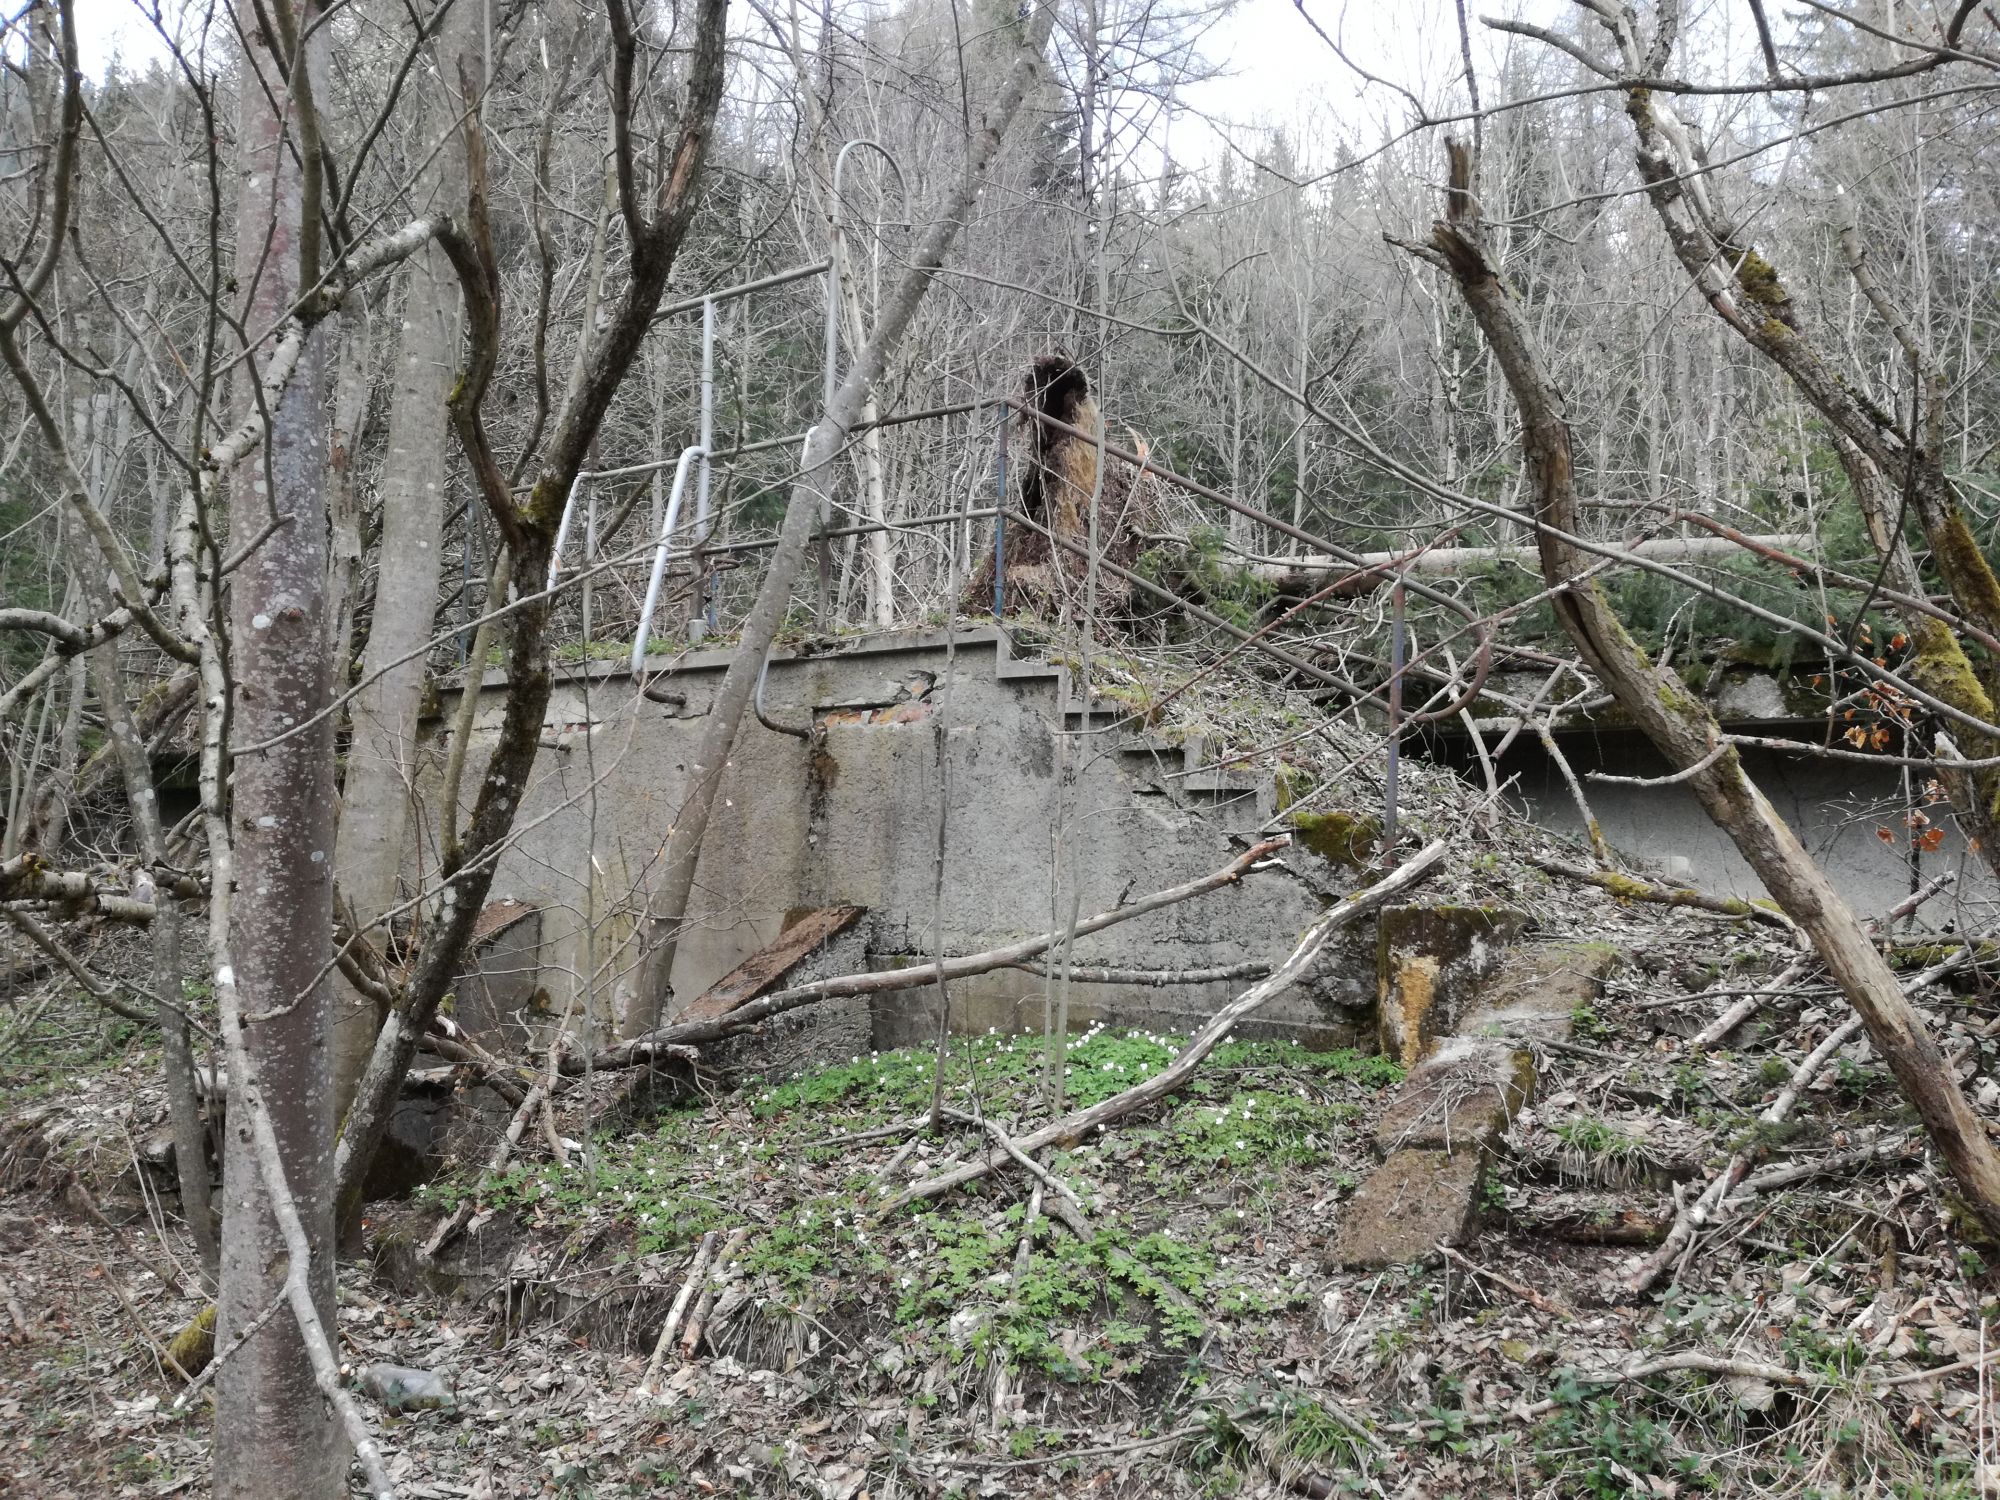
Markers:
point(687, 458)
point(562, 527)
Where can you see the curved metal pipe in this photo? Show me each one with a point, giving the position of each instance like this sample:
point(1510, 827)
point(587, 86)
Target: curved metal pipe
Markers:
point(673, 519)
point(758, 704)
point(830, 375)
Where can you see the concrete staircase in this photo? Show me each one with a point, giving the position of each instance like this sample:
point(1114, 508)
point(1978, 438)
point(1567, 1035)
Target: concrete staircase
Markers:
point(1187, 769)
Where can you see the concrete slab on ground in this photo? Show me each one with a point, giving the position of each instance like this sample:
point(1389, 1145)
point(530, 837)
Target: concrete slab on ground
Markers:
point(1461, 1096)
point(1536, 991)
point(1416, 1200)
point(1441, 1130)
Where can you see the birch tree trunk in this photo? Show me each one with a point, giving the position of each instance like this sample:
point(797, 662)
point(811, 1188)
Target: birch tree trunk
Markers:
point(274, 1433)
point(350, 415)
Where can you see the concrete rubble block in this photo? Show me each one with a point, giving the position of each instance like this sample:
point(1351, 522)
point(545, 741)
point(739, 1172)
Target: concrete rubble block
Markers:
point(500, 1000)
point(1416, 1200)
point(1536, 991)
point(1459, 1098)
point(1429, 958)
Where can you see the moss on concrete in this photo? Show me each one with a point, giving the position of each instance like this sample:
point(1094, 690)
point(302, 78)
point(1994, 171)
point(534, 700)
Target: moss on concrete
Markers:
point(1339, 837)
point(1291, 784)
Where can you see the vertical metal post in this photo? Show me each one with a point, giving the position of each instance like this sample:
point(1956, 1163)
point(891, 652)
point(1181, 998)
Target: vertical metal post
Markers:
point(698, 611)
point(1395, 711)
point(1000, 522)
point(707, 413)
point(829, 378)
point(589, 552)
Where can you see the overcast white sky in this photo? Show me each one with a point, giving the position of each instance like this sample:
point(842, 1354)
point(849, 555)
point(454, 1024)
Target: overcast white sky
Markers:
point(1277, 71)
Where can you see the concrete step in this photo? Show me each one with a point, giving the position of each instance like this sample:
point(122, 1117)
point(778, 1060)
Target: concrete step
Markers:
point(1103, 714)
point(1415, 1201)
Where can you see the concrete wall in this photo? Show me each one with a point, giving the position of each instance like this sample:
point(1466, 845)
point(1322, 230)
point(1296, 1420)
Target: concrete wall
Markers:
point(851, 817)
point(1835, 807)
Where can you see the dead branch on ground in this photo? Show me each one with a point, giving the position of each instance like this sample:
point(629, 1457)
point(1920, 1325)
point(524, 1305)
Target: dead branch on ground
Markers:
point(1635, 888)
point(1080, 1123)
point(646, 1049)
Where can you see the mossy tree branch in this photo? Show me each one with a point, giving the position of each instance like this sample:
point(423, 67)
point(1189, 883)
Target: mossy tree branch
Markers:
point(1685, 732)
point(1892, 465)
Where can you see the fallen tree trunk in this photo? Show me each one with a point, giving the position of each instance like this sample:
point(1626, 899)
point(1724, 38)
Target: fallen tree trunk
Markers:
point(677, 1038)
point(1310, 571)
point(1079, 1123)
point(1632, 888)
point(27, 877)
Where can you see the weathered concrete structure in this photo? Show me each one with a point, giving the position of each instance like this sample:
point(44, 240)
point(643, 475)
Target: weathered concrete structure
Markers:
point(1837, 807)
point(1028, 775)
point(1441, 1131)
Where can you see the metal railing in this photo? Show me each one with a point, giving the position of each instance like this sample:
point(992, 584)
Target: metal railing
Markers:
point(702, 450)
point(700, 455)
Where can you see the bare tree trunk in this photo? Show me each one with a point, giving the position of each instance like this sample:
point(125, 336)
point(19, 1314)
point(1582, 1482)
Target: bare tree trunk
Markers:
point(350, 412)
point(656, 216)
point(1881, 452)
point(667, 909)
point(127, 749)
point(274, 1433)
point(1685, 732)
point(381, 761)
point(183, 1108)
point(1303, 375)
point(874, 476)
point(854, 325)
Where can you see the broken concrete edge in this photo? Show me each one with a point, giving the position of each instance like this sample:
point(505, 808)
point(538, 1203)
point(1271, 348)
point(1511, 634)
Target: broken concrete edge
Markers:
point(1467, 1088)
point(1538, 990)
point(1429, 960)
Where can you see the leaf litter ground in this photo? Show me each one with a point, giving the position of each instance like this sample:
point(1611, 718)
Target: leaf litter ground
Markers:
point(1182, 1335)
